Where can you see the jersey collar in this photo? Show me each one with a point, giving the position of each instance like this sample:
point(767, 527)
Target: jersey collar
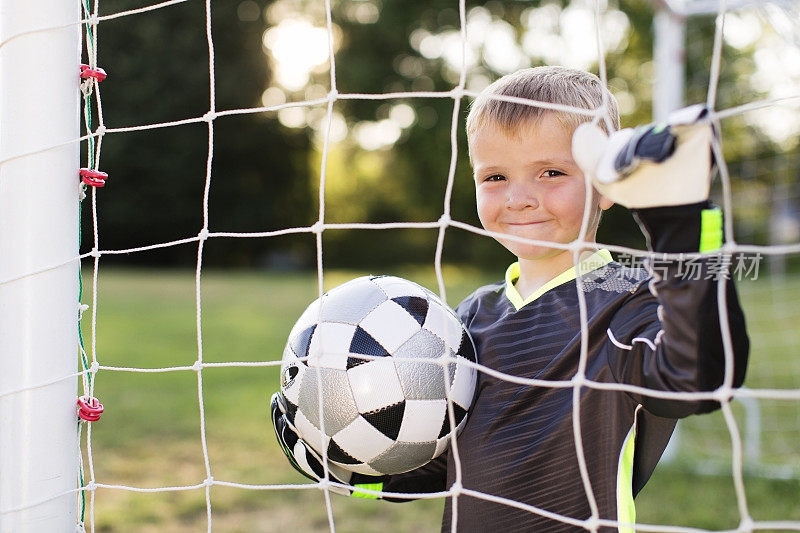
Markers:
point(596, 260)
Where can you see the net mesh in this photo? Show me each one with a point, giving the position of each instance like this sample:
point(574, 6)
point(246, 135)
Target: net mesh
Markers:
point(779, 399)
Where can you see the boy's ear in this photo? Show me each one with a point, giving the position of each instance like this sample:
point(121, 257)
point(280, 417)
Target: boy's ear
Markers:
point(604, 202)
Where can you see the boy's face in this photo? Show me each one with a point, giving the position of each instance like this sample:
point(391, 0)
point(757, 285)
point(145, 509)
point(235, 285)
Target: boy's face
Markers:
point(529, 186)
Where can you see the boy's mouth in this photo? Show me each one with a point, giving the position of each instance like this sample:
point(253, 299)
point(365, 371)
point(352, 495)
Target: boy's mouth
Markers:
point(526, 223)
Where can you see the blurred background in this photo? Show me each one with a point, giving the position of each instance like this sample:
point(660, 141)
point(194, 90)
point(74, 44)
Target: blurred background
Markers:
point(388, 162)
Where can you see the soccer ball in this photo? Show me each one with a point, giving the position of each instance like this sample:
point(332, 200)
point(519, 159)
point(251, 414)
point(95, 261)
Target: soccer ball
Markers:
point(385, 352)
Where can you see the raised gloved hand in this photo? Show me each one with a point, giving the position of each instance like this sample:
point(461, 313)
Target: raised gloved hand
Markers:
point(308, 461)
point(650, 166)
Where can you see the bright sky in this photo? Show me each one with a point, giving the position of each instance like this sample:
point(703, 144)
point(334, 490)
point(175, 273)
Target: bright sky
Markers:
point(567, 37)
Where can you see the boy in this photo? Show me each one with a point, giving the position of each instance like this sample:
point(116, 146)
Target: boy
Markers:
point(659, 331)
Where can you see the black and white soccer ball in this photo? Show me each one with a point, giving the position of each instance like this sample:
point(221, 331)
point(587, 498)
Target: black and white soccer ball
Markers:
point(380, 347)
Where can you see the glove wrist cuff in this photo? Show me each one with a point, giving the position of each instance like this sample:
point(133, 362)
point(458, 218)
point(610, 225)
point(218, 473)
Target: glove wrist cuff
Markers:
point(686, 228)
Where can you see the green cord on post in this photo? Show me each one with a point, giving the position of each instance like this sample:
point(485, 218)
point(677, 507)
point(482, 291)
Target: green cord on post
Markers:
point(87, 110)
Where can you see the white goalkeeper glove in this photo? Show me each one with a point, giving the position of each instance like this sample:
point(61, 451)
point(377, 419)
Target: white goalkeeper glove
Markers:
point(650, 166)
point(308, 461)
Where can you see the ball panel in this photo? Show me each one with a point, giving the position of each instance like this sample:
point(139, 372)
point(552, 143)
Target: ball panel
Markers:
point(387, 420)
point(422, 420)
point(403, 456)
point(310, 433)
point(355, 360)
point(291, 375)
point(442, 323)
point(462, 388)
point(421, 381)
point(301, 342)
point(442, 445)
point(422, 345)
point(288, 356)
point(339, 408)
point(363, 343)
point(338, 455)
point(461, 424)
point(364, 468)
point(330, 345)
point(351, 302)
point(415, 306)
point(459, 412)
point(390, 325)
point(451, 366)
point(467, 348)
point(291, 411)
point(375, 385)
point(292, 391)
point(362, 441)
point(393, 287)
point(421, 377)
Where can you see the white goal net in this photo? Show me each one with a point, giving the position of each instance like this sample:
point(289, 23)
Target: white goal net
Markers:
point(218, 482)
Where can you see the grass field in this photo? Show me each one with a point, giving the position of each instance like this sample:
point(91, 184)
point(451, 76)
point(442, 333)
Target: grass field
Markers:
point(149, 435)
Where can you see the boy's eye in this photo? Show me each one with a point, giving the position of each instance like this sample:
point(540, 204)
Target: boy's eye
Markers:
point(552, 173)
point(495, 177)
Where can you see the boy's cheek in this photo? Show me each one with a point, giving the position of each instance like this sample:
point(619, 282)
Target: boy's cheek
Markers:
point(483, 212)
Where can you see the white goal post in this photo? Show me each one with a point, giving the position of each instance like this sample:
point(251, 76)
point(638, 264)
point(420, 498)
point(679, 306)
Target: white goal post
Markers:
point(39, 160)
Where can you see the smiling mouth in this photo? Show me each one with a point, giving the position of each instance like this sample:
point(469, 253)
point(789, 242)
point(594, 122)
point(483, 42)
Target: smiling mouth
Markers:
point(533, 223)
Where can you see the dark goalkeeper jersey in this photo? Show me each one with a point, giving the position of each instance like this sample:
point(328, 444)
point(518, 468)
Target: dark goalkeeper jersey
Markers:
point(658, 330)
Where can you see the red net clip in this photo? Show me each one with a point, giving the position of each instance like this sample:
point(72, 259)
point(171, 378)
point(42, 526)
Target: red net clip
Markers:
point(89, 408)
point(89, 72)
point(94, 178)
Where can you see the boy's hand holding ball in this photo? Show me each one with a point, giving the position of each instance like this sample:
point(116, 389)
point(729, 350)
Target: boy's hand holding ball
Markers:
point(650, 166)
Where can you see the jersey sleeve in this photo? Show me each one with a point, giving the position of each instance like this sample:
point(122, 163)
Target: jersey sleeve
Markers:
point(669, 335)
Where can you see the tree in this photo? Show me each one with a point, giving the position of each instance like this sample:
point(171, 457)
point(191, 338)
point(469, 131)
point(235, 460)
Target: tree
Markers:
point(158, 71)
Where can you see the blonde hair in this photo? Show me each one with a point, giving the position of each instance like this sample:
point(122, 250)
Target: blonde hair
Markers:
point(551, 84)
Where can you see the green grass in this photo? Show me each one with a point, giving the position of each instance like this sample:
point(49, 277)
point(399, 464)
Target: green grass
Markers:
point(150, 433)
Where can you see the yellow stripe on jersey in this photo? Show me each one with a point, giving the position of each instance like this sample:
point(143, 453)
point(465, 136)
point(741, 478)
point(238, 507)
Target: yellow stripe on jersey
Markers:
point(710, 230)
point(626, 509)
point(593, 262)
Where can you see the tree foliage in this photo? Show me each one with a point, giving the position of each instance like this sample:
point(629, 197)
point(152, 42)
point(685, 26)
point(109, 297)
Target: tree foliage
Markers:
point(265, 175)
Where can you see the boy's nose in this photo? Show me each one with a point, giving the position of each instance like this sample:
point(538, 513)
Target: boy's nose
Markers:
point(521, 198)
